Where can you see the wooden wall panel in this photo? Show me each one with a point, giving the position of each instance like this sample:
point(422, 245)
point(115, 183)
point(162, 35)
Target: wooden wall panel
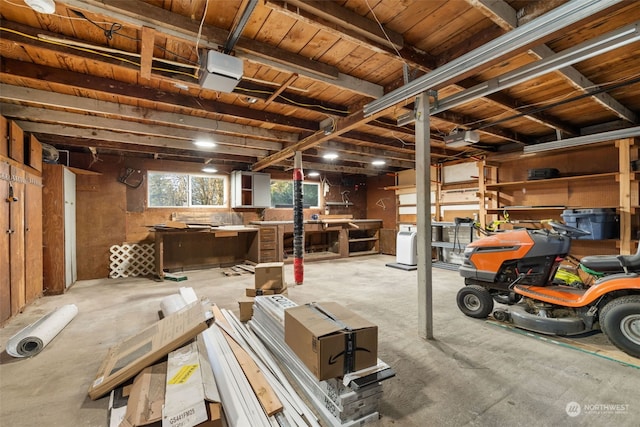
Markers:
point(381, 203)
point(100, 218)
point(16, 143)
point(5, 279)
point(16, 241)
point(53, 229)
point(33, 238)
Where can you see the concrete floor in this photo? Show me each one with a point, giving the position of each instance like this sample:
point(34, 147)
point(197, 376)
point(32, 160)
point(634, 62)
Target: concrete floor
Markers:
point(473, 374)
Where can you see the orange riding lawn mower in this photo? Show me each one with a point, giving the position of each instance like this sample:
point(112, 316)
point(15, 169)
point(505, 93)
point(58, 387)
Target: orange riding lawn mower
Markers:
point(518, 268)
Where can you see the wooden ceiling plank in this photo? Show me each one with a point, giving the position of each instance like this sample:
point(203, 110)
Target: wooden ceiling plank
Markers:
point(94, 106)
point(146, 51)
point(35, 114)
point(505, 16)
point(342, 80)
point(116, 88)
point(105, 135)
point(139, 13)
point(353, 22)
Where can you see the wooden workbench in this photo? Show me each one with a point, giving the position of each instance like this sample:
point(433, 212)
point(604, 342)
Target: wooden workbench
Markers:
point(191, 248)
point(324, 238)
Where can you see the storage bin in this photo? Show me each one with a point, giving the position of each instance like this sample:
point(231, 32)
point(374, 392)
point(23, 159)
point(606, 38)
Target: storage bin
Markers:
point(601, 223)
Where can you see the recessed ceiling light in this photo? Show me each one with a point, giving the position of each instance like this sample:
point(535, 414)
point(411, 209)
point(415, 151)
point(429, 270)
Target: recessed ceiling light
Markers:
point(330, 156)
point(209, 170)
point(251, 100)
point(204, 143)
point(314, 174)
point(378, 162)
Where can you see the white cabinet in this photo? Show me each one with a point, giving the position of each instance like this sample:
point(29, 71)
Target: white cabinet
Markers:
point(250, 189)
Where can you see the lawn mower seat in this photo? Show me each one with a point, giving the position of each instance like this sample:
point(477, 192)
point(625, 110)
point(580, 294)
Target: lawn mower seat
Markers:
point(631, 263)
point(612, 263)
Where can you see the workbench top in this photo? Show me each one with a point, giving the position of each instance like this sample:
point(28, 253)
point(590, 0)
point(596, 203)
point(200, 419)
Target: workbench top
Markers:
point(318, 221)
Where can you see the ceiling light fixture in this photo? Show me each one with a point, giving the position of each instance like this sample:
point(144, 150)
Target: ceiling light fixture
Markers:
point(209, 170)
point(42, 6)
point(314, 174)
point(330, 156)
point(378, 162)
point(251, 100)
point(204, 143)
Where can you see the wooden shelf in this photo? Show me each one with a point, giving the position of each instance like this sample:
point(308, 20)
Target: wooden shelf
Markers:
point(361, 253)
point(363, 239)
point(543, 182)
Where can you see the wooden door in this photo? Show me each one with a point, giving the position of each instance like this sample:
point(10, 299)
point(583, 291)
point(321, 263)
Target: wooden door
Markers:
point(5, 279)
point(33, 237)
point(16, 239)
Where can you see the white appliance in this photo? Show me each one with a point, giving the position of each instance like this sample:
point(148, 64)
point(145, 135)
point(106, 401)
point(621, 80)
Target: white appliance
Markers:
point(221, 72)
point(407, 248)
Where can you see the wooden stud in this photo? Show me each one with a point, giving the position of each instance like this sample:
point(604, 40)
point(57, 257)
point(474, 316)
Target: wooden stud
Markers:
point(146, 51)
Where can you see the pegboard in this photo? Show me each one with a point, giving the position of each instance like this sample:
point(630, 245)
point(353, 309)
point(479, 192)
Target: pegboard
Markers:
point(131, 260)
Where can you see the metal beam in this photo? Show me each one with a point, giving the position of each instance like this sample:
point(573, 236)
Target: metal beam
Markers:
point(423, 192)
point(505, 16)
point(514, 40)
point(585, 50)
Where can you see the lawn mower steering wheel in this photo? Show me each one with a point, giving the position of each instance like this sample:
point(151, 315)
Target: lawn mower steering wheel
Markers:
point(567, 229)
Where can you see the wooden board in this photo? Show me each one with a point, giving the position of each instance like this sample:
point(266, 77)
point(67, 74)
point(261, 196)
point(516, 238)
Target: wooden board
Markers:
point(261, 387)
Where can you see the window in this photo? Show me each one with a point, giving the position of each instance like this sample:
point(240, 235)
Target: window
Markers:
point(184, 190)
point(282, 194)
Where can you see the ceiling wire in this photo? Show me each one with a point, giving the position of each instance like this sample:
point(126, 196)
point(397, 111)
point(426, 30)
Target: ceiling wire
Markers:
point(385, 33)
point(204, 15)
point(84, 18)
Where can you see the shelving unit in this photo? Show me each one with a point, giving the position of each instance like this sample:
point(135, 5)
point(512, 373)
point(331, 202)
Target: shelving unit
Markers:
point(600, 177)
point(450, 240)
point(364, 242)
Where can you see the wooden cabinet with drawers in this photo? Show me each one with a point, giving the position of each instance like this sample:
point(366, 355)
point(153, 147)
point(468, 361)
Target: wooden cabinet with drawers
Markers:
point(268, 244)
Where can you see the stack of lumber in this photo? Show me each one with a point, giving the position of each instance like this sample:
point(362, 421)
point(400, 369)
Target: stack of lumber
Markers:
point(348, 401)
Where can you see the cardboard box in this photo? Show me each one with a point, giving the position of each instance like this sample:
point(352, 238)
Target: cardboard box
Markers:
point(192, 397)
point(246, 309)
point(260, 292)
point(146, 397)
point(330, 339)
point(269, 275)
point(128, 358)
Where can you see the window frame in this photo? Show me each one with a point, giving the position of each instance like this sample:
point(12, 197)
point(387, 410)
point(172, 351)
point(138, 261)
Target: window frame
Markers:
point(189, 175)
point(314, 183)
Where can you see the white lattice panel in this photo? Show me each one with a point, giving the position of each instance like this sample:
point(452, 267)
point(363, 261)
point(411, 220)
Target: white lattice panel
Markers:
point(131, 260)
